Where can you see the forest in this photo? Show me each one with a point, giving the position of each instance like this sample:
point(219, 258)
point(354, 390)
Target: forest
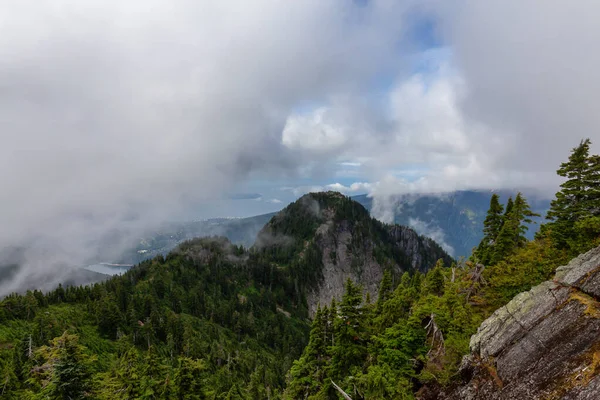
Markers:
point(217, 321)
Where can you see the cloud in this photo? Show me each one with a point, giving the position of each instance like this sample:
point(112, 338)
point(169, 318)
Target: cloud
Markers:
point(352, 189)
point(356, 187)
point(116, 116)
point(433, 232)
point(313, 132)
point(274, 201)
point(499, 105)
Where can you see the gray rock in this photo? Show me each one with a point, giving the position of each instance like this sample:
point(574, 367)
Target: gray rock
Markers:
point(544, 344)
point(513, 320)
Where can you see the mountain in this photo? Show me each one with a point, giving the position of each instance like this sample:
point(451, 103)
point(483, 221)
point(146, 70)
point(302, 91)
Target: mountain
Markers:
point(210, 319)
point(542, 344)
point(240, 231)
point(454, 219)
point(333, 238)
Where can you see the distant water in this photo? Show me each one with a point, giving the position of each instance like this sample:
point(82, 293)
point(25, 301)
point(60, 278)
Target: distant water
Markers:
point(109, 269)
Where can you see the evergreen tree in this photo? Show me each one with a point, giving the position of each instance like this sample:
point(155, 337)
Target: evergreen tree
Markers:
point(507, 210)
point(349, 349)
point(514, 228)
point(491, 228)
point(434, 280)
point(188, 379)
point(69, 366)
point(308, 373)
point(579, 196)
point(385, 289)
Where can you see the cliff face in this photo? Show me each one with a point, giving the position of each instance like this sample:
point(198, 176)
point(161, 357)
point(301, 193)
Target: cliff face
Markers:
point(544, 344)
point(351, 243)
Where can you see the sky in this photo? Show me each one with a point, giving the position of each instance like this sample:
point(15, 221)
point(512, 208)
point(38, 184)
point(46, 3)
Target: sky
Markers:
point(122, 115)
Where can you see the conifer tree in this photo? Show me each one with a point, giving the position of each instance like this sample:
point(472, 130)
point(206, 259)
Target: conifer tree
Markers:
point(578, 196)
point(514, 228)
point(349, 348)
point(508, 209)
point(434, 280)
point(188, 379)
point(69, 365)
point(309, 372)
point(491, 228)
point(385, 289)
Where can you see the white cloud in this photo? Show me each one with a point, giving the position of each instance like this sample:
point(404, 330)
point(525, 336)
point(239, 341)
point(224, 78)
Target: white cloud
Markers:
point(274, 201)
point(350, 164)
point(313, 132)
point(433, 232)
point(354, 188)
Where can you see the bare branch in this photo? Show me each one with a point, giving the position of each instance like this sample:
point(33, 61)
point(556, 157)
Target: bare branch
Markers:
point(339, 389)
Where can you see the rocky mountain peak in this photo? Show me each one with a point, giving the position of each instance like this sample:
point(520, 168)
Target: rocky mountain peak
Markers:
point(339, 234)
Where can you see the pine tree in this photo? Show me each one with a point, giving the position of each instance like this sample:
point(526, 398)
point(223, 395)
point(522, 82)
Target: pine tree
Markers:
point(308, 373)
point(434, 280)
point(70, 373)
point(514, 228)
point(350, 348)
point(592, 182)
point(491, 228)
point(385, 289)
point(571, 201)
point(508, 209)
point(522, 212)
point(188, 379)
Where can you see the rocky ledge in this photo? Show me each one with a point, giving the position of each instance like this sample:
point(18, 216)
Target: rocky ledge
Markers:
point(544, 344)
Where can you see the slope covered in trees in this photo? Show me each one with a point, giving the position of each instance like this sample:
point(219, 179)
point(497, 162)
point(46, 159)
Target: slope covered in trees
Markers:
point(210, 320)
point(217, 321)
point(190, 325)
point(411, 341)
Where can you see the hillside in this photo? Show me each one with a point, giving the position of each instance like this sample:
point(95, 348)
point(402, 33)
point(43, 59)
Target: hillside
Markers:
point(209, 320)
point(494, 327)
point(240, 231)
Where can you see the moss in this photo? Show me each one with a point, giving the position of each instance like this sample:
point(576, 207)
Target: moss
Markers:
point(592, 307)
point(589, 363)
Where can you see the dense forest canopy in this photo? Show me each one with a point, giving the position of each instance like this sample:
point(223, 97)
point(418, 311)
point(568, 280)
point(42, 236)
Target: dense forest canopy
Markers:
point(217, 321)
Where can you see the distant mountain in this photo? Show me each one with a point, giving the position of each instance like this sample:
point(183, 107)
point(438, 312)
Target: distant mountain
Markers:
point(454, 220)
point(240, 231)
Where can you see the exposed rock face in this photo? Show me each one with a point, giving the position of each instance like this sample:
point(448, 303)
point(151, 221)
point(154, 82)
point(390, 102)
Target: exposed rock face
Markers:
point(341, 262)
point(544, 344)
point(421, 252)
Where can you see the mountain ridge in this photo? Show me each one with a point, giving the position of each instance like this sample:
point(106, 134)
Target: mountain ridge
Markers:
point(340, 235)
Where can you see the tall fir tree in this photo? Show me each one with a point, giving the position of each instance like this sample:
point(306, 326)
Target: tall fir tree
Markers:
point(349, 349)
point(491, 228)
point(434, 280)
point(579, 196)
point(385, 289)
point(308, 374)
point(515, 226)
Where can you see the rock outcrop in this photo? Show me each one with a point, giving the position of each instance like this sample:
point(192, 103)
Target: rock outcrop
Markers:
point(544, 344)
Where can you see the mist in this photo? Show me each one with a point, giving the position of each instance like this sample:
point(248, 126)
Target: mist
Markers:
point(116, 117)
